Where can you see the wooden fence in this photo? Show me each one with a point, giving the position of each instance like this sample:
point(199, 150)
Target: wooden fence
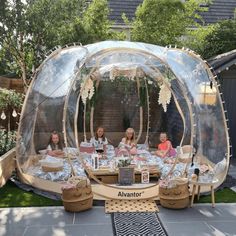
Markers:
point(12, 83)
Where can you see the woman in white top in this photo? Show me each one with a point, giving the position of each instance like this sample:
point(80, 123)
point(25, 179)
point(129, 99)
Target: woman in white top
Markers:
point(99, 140)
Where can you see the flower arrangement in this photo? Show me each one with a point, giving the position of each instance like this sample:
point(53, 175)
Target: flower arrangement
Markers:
point(87, 90)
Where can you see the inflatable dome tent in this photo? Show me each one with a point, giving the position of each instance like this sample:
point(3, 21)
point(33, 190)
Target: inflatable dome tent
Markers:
point(117, 85)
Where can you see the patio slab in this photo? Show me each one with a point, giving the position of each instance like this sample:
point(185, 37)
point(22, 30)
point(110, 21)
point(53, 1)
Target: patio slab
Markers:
point(202, 219)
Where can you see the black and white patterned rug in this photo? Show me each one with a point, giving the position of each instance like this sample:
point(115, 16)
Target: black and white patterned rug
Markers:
point(137, 224)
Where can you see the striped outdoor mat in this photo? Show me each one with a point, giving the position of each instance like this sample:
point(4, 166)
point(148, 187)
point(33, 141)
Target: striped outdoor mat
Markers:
point(137, 224)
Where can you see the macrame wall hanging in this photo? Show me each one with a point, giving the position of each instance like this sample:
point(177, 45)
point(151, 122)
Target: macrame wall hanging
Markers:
point(164, 96)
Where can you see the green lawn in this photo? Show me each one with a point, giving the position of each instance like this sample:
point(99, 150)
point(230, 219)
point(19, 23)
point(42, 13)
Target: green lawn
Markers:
point(225, 195)
point(12, 196)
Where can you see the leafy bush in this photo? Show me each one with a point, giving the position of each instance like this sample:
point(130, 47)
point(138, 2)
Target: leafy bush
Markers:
point(10, 98)
point(7, 141)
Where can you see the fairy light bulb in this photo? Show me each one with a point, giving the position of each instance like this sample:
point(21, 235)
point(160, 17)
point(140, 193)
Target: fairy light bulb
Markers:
point(3, 116)
point(14, 114)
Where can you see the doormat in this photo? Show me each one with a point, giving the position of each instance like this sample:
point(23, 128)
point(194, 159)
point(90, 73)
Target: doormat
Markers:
point(130, 206)
point(137, 224)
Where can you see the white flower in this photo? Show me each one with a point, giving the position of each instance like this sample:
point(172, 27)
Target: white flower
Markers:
point(91, 93)
point(87, 90)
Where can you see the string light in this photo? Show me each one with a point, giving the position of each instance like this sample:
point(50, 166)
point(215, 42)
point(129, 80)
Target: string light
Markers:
point(3, 116)
point(14, 113)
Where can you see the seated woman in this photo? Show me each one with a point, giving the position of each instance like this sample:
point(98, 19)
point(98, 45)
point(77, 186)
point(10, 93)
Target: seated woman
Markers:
point(99, 140)
point(129, 141)
point(55, 146)
point(165, 148)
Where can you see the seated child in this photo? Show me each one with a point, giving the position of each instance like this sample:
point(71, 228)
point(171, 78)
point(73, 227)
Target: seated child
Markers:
point(55, 146)
point(99, 140)
point(129, 141)
point(165, 148)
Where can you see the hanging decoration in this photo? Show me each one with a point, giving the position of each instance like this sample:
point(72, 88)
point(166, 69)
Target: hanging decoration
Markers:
point(141, 104)
point(87, 90)
point(14, 113)
point(164, 96)
point(3, 116)
point(130, 73)
point(84, 123)
point(148, 112)
point(93, 101)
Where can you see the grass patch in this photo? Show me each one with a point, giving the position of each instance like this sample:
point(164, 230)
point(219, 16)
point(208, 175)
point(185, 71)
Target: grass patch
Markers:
point(12, 196)
point(225, 195)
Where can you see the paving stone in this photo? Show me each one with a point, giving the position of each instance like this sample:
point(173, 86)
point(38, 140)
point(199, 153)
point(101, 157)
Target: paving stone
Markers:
point(222, 228)
point(12, 230)
point(196, 228)
point(70, 230)
point(94, 216)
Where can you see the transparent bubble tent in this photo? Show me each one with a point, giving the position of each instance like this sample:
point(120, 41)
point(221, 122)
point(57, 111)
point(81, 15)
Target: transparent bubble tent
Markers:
point(116, 85)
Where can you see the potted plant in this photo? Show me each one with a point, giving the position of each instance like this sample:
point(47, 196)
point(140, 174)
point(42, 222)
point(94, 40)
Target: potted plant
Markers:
point(126, 175)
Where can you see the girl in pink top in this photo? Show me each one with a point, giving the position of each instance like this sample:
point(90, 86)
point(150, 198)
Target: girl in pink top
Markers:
point(165, 148)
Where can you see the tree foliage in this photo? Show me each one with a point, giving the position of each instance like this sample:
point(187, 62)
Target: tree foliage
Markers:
point(212, 40)
point(10, 98)
point(96, 24)
point(163, 22)
point(7, 141)
point(13, 34)
point(196, 38)
point(51, 22)
point(10, 103)
point(30, 28)
point(221, 39)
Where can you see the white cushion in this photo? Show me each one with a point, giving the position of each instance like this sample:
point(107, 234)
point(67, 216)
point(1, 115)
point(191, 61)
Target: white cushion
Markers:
point(220, 167)
point(43, 152)
point(51, 162)
point(71, 150)
point(86, 144)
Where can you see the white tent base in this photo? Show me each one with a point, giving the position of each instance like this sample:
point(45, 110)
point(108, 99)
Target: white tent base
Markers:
point(101, 191)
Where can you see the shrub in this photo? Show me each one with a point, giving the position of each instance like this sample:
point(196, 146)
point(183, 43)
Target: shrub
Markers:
point(7, 141)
